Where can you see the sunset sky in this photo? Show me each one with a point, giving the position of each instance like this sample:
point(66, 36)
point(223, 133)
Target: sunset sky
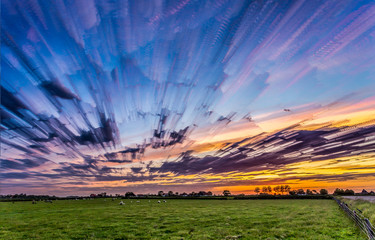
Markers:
point(116, 96)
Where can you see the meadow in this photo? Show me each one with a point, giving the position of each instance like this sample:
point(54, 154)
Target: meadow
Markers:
point(176, 219)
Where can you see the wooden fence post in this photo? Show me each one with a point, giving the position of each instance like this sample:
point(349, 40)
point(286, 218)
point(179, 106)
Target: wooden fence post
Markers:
point(362, 222)
point(369, 229)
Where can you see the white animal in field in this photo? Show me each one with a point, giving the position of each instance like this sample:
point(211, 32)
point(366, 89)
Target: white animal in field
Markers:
point(159, 202)
point(122, 203)
point(138, 201)
point(164, 200)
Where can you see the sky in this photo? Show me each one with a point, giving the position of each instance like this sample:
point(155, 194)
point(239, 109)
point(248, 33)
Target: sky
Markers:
point(116, 96)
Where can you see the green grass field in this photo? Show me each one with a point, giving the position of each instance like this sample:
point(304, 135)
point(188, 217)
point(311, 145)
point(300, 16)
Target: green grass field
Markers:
point(176, 219)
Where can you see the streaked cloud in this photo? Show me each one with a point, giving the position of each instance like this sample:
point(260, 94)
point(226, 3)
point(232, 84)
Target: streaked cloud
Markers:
point(185, 94)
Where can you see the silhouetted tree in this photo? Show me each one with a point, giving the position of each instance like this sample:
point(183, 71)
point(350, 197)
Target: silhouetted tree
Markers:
point(129, 194)
point(160, 193)
point(339, 191)
point(226, 193)
point(323, 191)
point(170, 193)
point(300, 191)
point(264, 189)
point(269, 189)
point(309, 192)
point(282, 189)
point(276, 189)
point(257, 190)
point(287, 188)
point(349, 192)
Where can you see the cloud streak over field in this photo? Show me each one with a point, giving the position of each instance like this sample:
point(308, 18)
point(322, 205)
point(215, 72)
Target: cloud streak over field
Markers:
point(186, 95)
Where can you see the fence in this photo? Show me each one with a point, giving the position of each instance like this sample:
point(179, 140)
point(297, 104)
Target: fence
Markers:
point(362, 222)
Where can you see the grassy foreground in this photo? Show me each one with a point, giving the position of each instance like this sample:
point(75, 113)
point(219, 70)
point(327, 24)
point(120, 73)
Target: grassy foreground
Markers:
point(176, 219)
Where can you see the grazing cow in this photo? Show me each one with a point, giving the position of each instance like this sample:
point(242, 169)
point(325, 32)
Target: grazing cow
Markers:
point(33, 202)
point(158, 201)
point(122, 203)
point(164, 200)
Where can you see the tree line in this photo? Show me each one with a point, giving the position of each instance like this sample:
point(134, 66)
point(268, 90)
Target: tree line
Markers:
point(265, 190)
point(281, 189)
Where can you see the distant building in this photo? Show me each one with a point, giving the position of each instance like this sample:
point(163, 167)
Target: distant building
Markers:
point(364, 192)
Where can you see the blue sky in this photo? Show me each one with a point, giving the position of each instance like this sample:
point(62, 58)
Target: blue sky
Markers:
point(85, 83)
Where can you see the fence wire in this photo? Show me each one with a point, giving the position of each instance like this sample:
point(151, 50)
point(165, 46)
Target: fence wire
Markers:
point(362, 222)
